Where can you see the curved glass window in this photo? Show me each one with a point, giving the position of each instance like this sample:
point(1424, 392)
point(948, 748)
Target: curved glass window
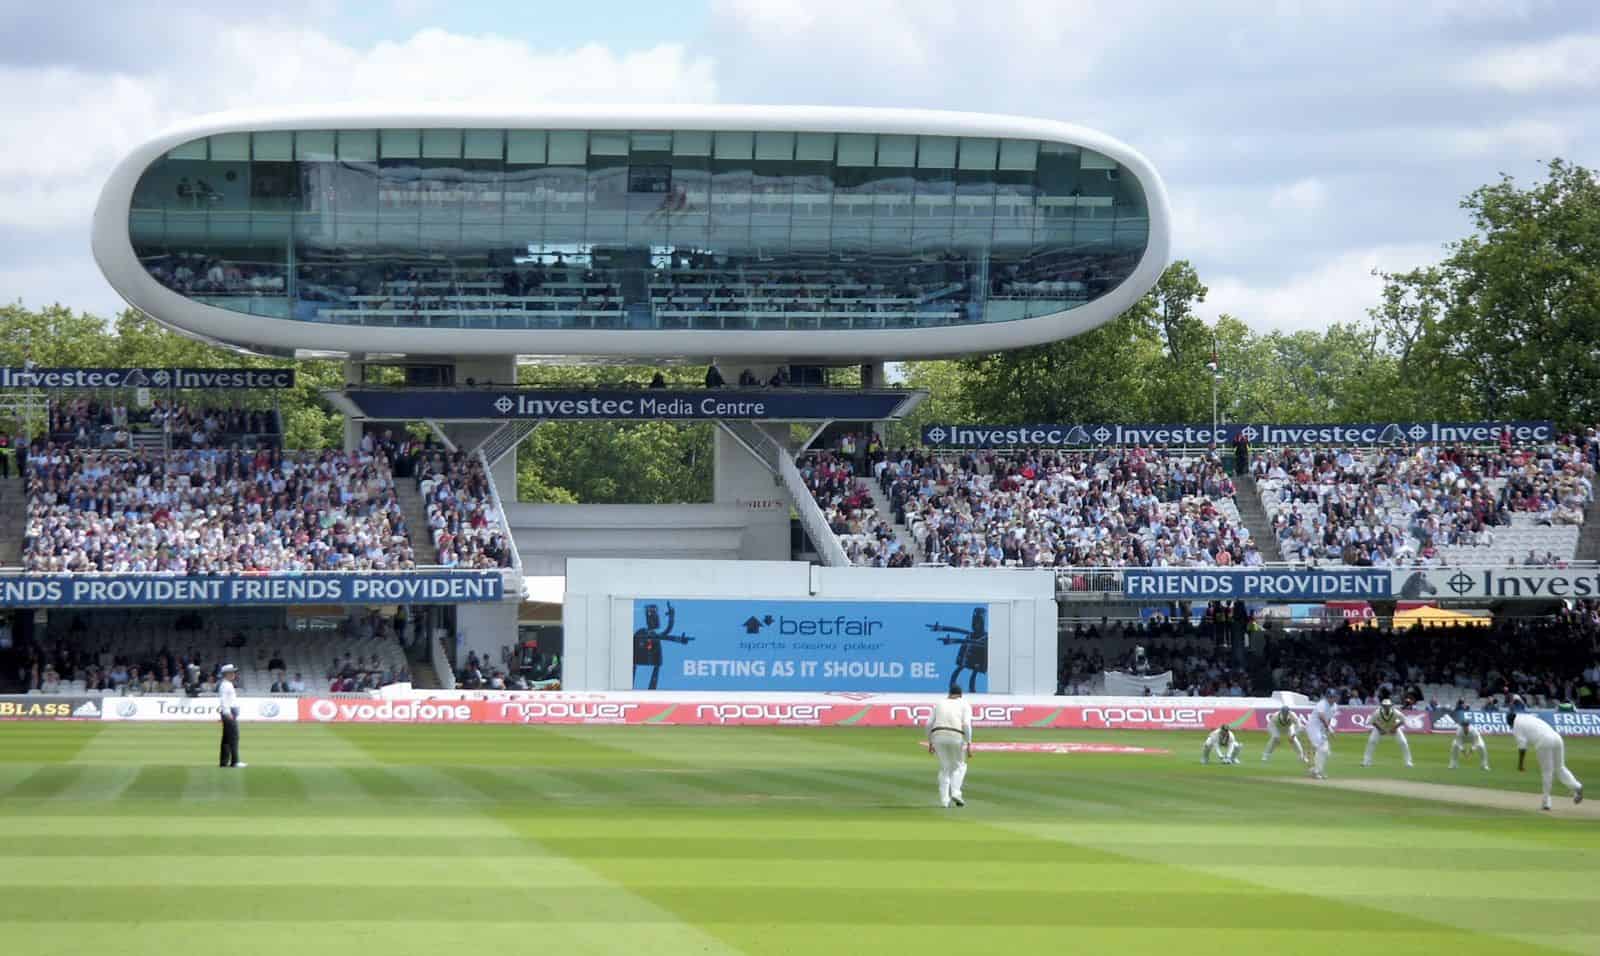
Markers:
point(645, 229)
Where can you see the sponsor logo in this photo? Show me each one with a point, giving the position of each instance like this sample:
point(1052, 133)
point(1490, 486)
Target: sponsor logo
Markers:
point(390, 711)
point(87, 709)
point(567, 712)
point(269, 709)
point(1195, 435)
point(35, 710)
point(1147, 716)
point(761, 713)
point(1460, 582)
point(126, 708)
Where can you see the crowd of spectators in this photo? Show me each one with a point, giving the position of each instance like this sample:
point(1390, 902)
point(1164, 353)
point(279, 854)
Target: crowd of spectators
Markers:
point(1546, 660)
point(351, 675)
point(200, 512)
point(48, 664)
point(466, 526)
point(1400, 505)
point(1106, 508)
point(847, 504)
point(95, 423)
point(195, 273)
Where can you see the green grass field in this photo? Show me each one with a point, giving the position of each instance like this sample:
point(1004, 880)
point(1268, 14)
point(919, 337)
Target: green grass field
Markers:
point(125, 839)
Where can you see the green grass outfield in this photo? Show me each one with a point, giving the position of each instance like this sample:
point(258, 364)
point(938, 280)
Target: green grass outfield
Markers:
point(378, 840)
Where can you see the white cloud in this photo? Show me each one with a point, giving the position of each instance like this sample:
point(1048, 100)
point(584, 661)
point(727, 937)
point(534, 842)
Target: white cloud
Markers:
point(1301, 196)
point(1562, 63)
point(66, 126)
point(1341, 290)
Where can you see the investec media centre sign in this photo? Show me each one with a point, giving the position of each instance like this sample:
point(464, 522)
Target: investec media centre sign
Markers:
point(1371, 433)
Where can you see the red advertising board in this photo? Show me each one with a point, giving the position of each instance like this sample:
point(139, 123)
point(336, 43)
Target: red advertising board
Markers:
point(727, 712)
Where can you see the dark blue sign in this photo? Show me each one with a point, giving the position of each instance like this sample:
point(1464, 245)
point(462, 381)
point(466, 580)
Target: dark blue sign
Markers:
point(90, 378)
point(880, 646)
point(152, 590)
point(1210, 584)
point(478, 404)
point(1371, 433)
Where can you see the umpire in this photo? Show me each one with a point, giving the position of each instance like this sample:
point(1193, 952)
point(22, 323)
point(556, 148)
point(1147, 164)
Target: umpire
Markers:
point(228, 708)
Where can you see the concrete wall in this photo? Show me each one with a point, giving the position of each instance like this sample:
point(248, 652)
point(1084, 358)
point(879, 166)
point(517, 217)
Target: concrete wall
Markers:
point(485, 628)
point(598, 615)
point(740, 481)
point(548, 535)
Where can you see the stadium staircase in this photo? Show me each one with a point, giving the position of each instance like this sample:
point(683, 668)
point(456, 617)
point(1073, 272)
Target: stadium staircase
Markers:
point(885, 509)
point(1589, 538)
point(13, 517)
point(416, 512)
point(1248, 498)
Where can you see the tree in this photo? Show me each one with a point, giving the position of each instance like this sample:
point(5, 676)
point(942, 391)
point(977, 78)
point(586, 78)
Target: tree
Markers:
point(1520, 333)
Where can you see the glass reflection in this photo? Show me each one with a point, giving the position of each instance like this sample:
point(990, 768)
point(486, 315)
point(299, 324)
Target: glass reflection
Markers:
point(533, 229)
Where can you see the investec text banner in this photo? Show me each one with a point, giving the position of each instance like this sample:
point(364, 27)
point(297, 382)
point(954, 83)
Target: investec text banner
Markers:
point(80, 378)
point(145, 590)
point(758, 645)
point(1369, 433)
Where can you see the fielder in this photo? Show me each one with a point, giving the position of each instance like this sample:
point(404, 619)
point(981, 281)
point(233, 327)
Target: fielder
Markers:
point(1285, 723)
point(950, 737)
point(1225, 742)
point(1386, 721)
point(1319, 731)
point(1467, 738)
point(1547, 745)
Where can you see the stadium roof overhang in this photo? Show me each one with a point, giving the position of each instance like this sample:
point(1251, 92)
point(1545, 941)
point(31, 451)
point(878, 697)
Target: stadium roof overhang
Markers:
point(114, 252)
point(502, 405)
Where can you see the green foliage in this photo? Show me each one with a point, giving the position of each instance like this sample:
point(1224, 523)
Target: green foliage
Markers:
point(615, 462)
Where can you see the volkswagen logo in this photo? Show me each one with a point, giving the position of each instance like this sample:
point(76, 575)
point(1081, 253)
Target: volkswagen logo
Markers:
point(269, 710)
point(504, 404)
point(126, 708)
point(1461, 582)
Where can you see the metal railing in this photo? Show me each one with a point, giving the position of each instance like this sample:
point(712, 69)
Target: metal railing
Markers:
point(505, 523)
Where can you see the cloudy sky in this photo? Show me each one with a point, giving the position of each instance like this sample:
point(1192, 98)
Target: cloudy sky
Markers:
point(1303, 143)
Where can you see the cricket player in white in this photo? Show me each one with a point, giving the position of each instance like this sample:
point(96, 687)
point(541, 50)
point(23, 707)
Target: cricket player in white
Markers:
point(1225, 742)
point(1319, 731)
point(1285, 723)
point(1536, 735)
point(1467, 739)
point(950, 737)
point(1386, 721)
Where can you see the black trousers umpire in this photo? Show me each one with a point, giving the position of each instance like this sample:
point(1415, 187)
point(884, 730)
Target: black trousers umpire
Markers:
point(230, 739)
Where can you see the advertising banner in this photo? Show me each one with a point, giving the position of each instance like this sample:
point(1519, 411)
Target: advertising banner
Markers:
point(623, 404)
point(88, 378)
point(324, 710)
point(1351, 720)
point(146, 590)
point(1212, 584)
point(48, 707)
point(1199, 436)
point(1341, 585)
point(185, 709)
point(873, 646)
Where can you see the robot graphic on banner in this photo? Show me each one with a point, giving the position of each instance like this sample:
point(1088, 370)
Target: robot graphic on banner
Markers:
point(974, 653)
point(647, 641)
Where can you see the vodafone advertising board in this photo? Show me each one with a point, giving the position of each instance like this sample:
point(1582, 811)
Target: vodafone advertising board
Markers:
point(196, 709)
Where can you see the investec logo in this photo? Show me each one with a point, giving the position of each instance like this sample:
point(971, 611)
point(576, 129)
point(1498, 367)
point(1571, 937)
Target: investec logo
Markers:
point(996, 715)
point(1526, 584)
point(761, 713)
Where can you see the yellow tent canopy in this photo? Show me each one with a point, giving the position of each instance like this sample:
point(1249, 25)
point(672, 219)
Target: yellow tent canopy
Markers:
point(1430, 617)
